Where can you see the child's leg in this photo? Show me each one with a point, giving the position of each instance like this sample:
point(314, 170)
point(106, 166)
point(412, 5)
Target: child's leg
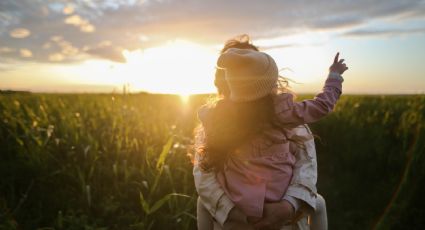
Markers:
point(204, 219)
point(319, 218)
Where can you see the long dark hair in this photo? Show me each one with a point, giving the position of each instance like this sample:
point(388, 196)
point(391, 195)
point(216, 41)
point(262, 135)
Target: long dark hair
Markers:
point(230, 124)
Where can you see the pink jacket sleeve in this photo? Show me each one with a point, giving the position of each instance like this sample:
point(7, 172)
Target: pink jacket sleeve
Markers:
point(308, 111)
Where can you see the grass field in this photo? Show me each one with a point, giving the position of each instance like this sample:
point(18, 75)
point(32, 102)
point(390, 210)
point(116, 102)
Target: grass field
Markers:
point(120, 162)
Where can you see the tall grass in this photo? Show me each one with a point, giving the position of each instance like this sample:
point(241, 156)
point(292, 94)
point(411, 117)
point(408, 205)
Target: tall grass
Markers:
point(92, 161)
point(371, 162)
point(120, 162)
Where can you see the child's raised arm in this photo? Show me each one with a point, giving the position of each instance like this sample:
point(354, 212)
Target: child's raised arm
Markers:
point(308, 111)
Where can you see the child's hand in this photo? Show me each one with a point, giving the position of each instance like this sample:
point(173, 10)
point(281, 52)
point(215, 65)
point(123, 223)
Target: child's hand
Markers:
point(338, 66)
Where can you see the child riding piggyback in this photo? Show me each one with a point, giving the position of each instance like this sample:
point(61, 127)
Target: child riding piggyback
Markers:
point(251, 142)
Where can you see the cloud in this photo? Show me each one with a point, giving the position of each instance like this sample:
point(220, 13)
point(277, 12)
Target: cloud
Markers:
point(69, 9)
point(56, 57)
point(25, 53)
point(113, 54)
point(83, 24)
point(19, 33)
point(73, 30)
point(383, 32)
point(6, 50)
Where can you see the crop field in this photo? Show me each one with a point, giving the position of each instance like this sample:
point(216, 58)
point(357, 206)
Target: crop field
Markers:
point(123, 162)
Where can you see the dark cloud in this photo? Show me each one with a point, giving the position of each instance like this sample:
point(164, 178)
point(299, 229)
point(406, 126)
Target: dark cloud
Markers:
point(73, 30)
point(383, 32)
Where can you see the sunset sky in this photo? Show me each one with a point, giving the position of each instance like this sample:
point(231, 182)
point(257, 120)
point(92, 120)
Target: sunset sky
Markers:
point(171, 46)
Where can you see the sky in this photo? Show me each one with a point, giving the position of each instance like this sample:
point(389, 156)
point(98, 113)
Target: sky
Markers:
point(171, 46)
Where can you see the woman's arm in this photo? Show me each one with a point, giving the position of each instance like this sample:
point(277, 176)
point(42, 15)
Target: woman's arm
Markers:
point(303, 183)
point(212, 195)
point(209, 190)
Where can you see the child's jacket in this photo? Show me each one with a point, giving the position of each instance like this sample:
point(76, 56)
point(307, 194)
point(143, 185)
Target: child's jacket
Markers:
point(261, 170)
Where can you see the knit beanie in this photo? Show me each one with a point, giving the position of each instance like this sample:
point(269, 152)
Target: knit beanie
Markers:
point(250, 74)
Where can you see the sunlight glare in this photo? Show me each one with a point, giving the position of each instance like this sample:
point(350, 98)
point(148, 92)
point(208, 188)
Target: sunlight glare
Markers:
point(185, 98)
point(178, 67)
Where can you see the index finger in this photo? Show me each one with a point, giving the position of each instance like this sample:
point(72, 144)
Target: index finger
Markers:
point(336, 57)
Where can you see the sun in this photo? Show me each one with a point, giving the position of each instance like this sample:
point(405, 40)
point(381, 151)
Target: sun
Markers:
point(177, 67)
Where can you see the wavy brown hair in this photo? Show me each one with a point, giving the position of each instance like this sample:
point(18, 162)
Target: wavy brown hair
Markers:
point(229, 124)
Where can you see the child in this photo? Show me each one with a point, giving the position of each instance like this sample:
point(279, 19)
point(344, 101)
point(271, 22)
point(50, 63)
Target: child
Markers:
point(255, 165)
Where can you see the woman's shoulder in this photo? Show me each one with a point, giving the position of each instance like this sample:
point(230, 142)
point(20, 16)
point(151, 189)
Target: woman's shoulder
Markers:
point(206, 109)
point(302, 133)
point(203, 112)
